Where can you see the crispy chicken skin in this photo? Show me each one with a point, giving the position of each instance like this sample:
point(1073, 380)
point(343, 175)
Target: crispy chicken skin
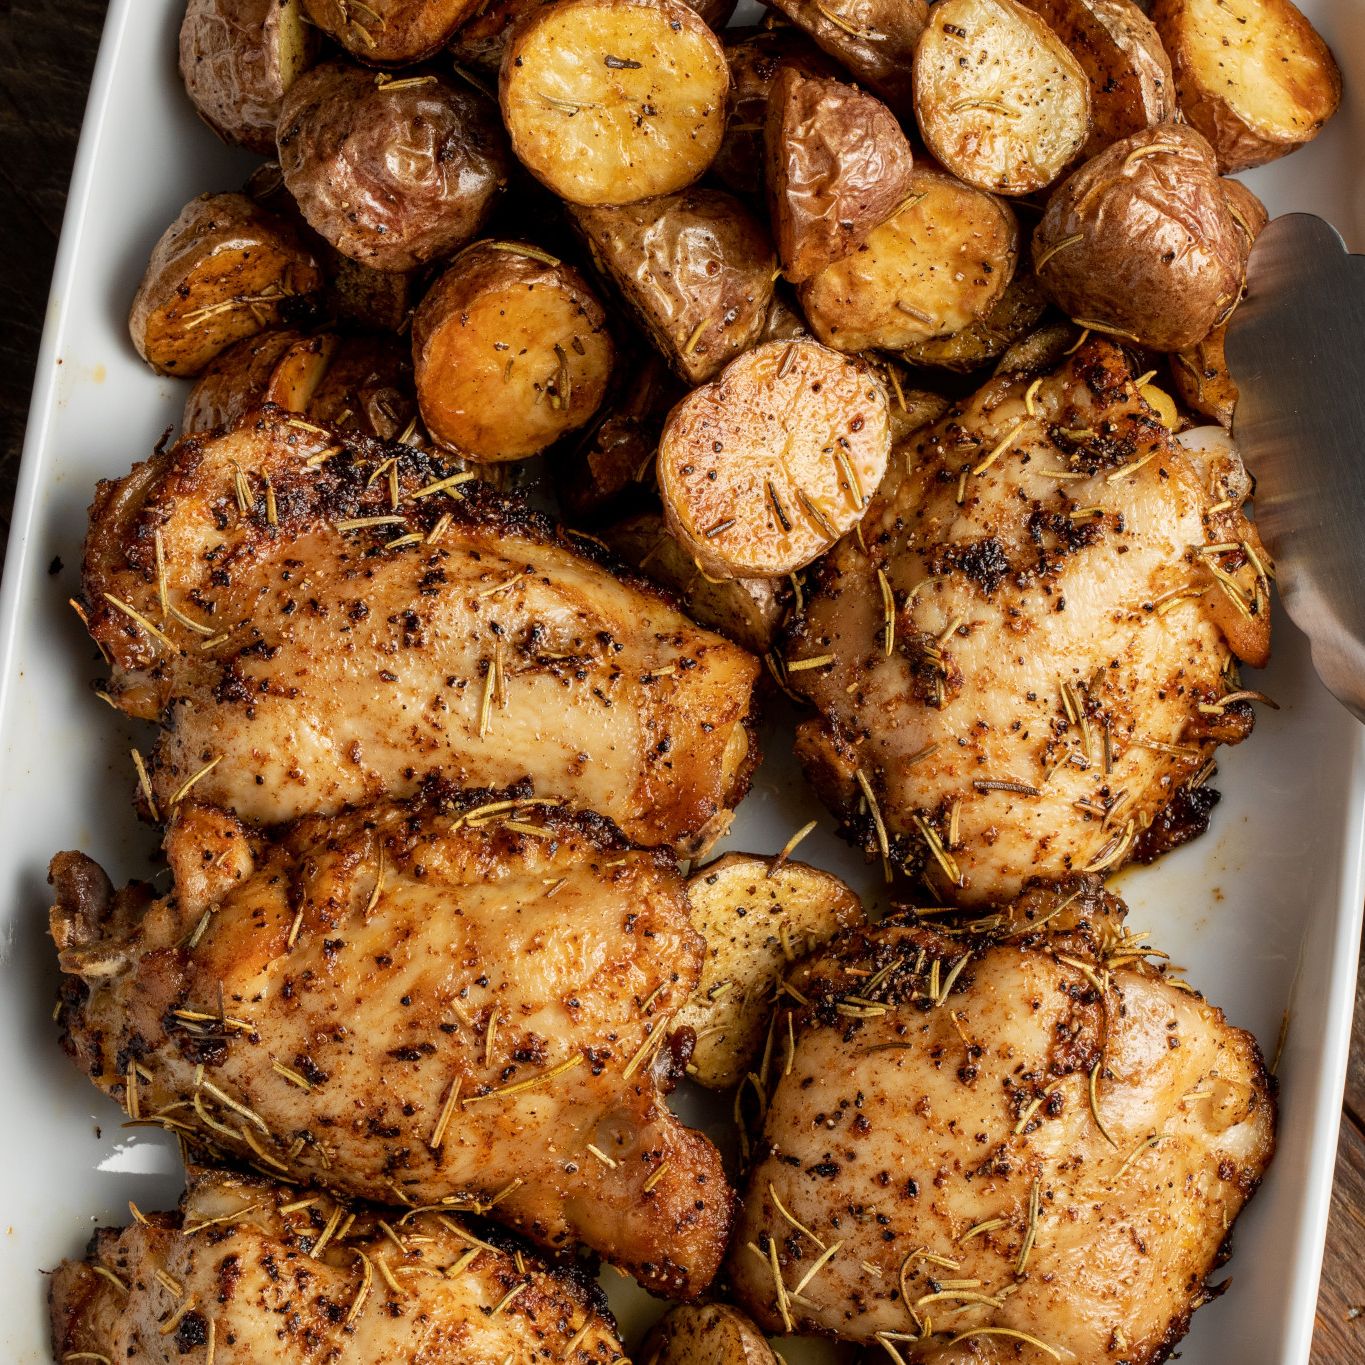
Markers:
point(1037, 647)
point(936, 1129)
point(317, 663)
point(250, 1271)
point(414, 1005)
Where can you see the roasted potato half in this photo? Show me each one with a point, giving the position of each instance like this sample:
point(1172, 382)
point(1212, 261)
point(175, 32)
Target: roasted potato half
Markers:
point(999, 98)
point(391, 172)
point(481, 41)
point(911, 407)
point(748, 611)
point(511, 350)
point(757, 917)
point(766, 467)
point(874, 39)
point(235, 382)
point(1253, 76)
point(1131, 83)
point(936, 266)
point(696, 268)
point(238, 58)
point(838, 165)
point(784, 321)
point(705, 1334)
point(1013, 318)
point(612, 101)
point(1141, 241)
point(389, 32)
point(224, 270)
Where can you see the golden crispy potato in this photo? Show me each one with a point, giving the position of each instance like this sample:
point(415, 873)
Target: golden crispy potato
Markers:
point(874, 39)
point(392, 172)
point(1141, 242)
point(1131, 83)
point(389, 32)
point(511, 350)
point(838, 165)
point(706, 1334)
point(224, 270)
point(1014, 316)
point(757, 918)
point(1000, 100)
point(696, 269)
point(938, 265)
point(233, 382)
point(749, 611)
point(766, 467)
point(1253, 76)
point(238, 58)
point(612, 101)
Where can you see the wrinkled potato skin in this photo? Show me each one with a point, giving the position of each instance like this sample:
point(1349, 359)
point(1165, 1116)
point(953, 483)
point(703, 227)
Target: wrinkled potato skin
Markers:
point(1160, 258)
point(233, 383)
point(712, 1334)
point(838, 165)
point(1220, 102)
point(222, 248)
point(1246, 208)
point(1012, 319)
point(874, 39)
point(238, 58)
point(389, 32)
point(696, 269)
point(337, 138)
point(1132, 85)
point(470, 399)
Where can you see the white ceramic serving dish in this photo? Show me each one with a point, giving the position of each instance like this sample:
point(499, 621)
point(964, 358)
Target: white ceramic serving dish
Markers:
point(1263, 912)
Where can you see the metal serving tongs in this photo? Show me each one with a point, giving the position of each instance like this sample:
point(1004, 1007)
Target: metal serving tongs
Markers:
point(1296, 350)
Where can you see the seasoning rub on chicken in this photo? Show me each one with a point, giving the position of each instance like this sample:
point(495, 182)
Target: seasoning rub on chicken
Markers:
point(1031, 647)
point(461, 1001)
point(321, 620)
point(249, 1270)
point(1021, 1146)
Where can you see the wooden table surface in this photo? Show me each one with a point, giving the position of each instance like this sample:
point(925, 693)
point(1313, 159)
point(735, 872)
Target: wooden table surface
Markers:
point(47, 51)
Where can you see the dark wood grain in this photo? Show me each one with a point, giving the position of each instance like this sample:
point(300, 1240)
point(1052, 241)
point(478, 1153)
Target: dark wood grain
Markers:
point(47, 51)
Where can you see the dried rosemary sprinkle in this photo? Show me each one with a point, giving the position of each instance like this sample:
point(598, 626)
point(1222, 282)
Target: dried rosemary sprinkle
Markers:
point(791, 1218)
point(602, 1156)
point(290, 1075)
point(656, 1175)
point(145, 784)
point(1053, 250)
point(789, 847)
point(978, 1229)
point(1031, 1234)
point(522, 248)
point(883, 843)
point(999, 449)
point(139, 619)
point(363, 523)
point(362, 1292)
point(1095, 1107)
point(1005, 1332)
point(811, 661)
point(185, 787)
point(779, 510)
point(888, 613)
point(517, 1087)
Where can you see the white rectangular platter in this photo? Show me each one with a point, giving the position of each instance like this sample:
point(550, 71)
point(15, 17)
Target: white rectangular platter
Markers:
point(1263, 912)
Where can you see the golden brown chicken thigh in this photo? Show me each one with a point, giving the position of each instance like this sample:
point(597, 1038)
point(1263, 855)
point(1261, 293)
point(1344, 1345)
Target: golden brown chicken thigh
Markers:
point(320, 620)
point(454, 1000)
point(250, 1271)
point(1023, 1148)
point(1030, 645)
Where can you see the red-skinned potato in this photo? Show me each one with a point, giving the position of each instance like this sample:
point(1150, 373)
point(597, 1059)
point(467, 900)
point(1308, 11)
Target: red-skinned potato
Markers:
point(233, 383)
point(838, 165)
point(1141, 242)
point(708, 1334)
point(392, 172)
point(238, 58)
point(389, 32)
point(1015, 315)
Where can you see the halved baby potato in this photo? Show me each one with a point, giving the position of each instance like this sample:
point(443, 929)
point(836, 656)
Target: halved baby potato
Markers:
point(389, 32)
point(695, 267)
point(838, 165)
point(1000, 100)
point(511, 350)
point(1254, 76)
point(232, 383)
point(763, 469)
point(224, 270)
point(1014, 316)
point(612, 101)
point(757, 918)
point(706, 1334)
point(937, 265)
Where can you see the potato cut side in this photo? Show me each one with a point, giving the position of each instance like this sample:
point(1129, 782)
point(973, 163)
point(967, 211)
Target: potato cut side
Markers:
point(612, 101)
point(224, 270)
point(941, 263)
point(234, 382)
point(748, 611)
point(390, 32)
point(838, 165)
point(1253, 76)
point(510, 350)
point(765, 468)
point(706, 1334)
point(1000, 100)
point(1013, 318)
point(695, 267)
point(1117, 45)
point(757, 919)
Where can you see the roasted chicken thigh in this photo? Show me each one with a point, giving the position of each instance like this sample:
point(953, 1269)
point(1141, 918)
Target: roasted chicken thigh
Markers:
point(460, 1001)
point(250, 1271)
point(319, 620)
point(1027, 1147)
point(1030, 646)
